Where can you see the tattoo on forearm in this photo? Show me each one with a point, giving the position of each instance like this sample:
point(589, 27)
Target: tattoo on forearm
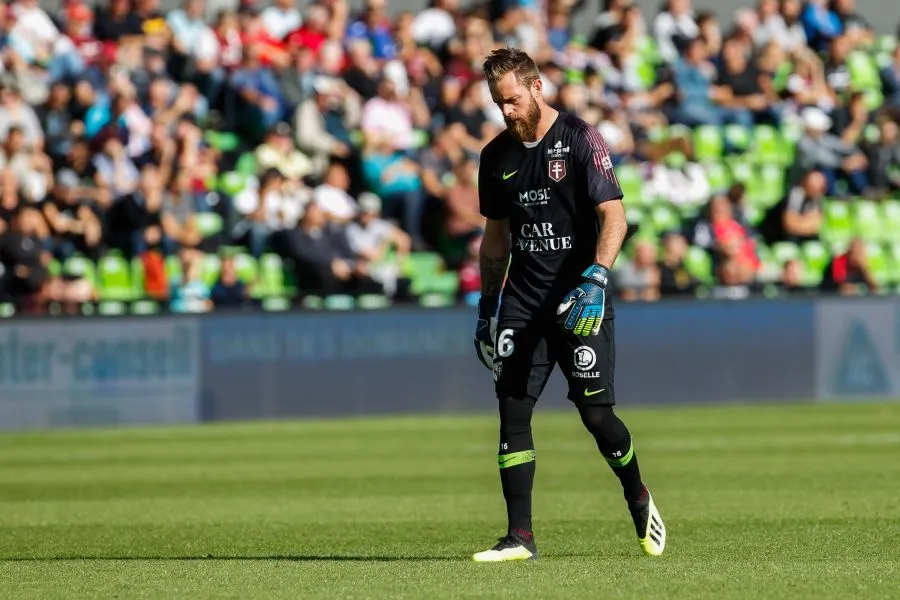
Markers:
point(493, 269)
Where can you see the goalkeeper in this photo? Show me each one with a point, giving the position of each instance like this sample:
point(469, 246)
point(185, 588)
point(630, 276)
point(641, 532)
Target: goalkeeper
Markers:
point(555, 218)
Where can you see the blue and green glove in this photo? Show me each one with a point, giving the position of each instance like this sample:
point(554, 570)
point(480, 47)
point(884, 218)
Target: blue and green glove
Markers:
point(486, 330)
point(582, 308)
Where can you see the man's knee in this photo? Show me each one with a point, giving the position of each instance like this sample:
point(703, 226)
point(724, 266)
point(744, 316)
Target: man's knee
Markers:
point(515, 415)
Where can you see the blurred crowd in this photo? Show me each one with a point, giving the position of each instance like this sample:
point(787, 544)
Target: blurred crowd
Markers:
point(342, 140)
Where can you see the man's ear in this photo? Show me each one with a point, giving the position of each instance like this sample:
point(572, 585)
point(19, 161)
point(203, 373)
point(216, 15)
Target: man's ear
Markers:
point(537, 87)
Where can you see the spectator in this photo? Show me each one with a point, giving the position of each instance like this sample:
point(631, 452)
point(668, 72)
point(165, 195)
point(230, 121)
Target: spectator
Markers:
point(333, 195)
point(639, 279)
point(463, 221)
point(190, 294)
point(324, 262)
point(849, 273)
point(229, 291)
point(734, 254)
point(23, 260)
point(384, 245)
point(257, 97)
point(395, 179)
point(674, 277)
point(673, 28)
point(833, 156)
point(890, 78)
point(264, 210)
point(781, 25)
point(791, 281)
point(74, 227)
point(799, 216)
point(323, 123)
point(738, 85)
point(278, 152)
point(884, 158)
point(820, 24)
point(696, 95)
point(281, 18)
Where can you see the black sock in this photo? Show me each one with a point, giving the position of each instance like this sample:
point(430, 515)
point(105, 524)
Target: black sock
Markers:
point(516, 462)
point(614, 441)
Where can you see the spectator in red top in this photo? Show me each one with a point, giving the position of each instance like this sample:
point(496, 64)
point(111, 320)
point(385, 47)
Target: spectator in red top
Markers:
point(314, 31)
point(848, 274)
point(735, 250)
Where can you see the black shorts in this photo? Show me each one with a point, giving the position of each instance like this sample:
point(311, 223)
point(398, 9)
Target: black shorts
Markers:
point(524, 358)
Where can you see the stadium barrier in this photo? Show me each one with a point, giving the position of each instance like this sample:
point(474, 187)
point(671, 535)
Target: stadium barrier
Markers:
point(152, 370)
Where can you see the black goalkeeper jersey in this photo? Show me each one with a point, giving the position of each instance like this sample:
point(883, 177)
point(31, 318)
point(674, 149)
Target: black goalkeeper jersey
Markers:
point(549, 192)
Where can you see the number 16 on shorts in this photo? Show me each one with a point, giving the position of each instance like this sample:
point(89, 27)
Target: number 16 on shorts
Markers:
point(503, 349)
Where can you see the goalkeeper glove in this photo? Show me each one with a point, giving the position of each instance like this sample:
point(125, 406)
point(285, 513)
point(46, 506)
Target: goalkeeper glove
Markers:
point(486, 330)
point(582, 309)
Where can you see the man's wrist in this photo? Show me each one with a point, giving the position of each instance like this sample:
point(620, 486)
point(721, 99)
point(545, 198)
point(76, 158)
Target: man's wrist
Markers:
point(487, 306)
point(598, 274)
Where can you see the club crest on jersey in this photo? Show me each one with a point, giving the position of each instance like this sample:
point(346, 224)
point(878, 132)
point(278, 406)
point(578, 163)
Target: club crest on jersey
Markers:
point(557, 170)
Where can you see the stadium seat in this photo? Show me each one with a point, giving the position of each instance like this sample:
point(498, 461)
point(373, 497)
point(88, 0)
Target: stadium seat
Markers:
point(7, 310)
point(631, 181)
point(446, 283)
point(893, 252)
point(718, 176)
point(770, 188)
point(246, 268)
point(890, 218)
point(665, 218)
point(79, 266)
point(112, 308)
point(698, 262)
point(768, 146)
point(232, 182)
point(224, 141)
point(422, 264)
point(838, 223)
point(246, 164)
point(738, 137)
point(208, 223)
point(115, 278)
point(276, 304)
point(210, 268)
point(173, 269)
point(785, 251)
point(863, 71)
point(879, 263)
point(816, 257)
point(372, 301)
point(271, 277)
point(709, 143)
point(144, 307)
point(339, 302)
point(867, 222)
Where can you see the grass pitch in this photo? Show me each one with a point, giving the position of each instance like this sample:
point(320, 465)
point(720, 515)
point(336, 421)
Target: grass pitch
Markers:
point(760, 502)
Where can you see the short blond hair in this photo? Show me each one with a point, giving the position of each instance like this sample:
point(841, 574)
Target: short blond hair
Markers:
point(511, 60)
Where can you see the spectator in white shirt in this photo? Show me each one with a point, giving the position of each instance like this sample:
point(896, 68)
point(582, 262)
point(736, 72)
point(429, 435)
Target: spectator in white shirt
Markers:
point(265, 209)
point(281, 18)
point(673, 27)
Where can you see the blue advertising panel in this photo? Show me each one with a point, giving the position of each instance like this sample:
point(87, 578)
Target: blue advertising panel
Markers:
point(318, 364)
point(59, 373)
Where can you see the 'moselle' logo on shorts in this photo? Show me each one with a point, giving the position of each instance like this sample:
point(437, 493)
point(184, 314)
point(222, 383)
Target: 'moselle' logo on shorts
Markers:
point(584, 358)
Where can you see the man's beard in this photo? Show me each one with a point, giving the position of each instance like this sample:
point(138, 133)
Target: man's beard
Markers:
point(525, 128)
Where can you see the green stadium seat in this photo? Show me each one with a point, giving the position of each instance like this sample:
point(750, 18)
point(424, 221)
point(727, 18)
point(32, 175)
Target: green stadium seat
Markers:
point(137, 278)
point(890, 216)
point(271, 277)
point(276, 304)
point(372, 301)
point(631, 181)
point(738, 137)
point(224, 141)
point(815, 257)
point(435, 300)
point(419, 264)
point(879, 263)
point(173, 269)
point(635, 215)
point(246, 268)
point(838, 223)
point(864, 73)
point(246, 164)
point(771, 266)
point(114, 274)
point(54, 268)
point(339, 302)
point(887, 43)
point(718, 176)
point(785, 251)
point(446, 283)
point(112, 308)
point(709, 143)
point(768, 146)
point(79, 266)
point(144, 307)
point(866, 219)
point(665, 218)
point(770, 187)
point(210, 268)
point(893, 252)
point(232, 182)
point(698, 262)
point(7, 310)
point(208, 223)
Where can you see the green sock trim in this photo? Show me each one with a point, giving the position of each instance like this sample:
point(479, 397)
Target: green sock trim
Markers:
point(621, 462)
point(515, 458)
